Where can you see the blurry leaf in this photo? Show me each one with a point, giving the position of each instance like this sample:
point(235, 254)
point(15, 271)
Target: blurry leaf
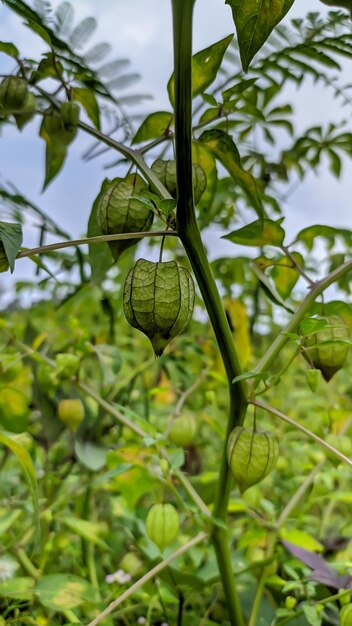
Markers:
point(9, 49)
point(133, 484)
point(269, 288)
point(60, 592)
point(155, 125)
point(64, 15)
point(14, 411)
point(99, 254)
point(301, 538)
point(237, 317)
point(88, 100)
point(20, 588)
point(97, 53)
point(87, 530)
point(223, 148)
point(11, 237)
point(285, 275)
point(254, 20)
point(93, 457)
point(309, 234)
point(205, 66)
point(82, 32)
point(258, 233)
point(29, 471)
point(124, 81)
point(202, 157)
point(8, 519)
point(313, 617)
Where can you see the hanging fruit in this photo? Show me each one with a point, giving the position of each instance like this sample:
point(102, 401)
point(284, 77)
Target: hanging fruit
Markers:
point(162, 524)
point(322, 349)
point(251, 455)
point(120, 211)
point(158, 300)
point(166, 172)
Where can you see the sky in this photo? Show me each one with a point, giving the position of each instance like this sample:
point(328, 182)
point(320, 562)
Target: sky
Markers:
point(140, 30)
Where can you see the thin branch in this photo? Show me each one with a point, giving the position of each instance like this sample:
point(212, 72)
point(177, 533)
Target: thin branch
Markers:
point(88, 240)
point(148, 576)
point(306, 431)
point(299, 269)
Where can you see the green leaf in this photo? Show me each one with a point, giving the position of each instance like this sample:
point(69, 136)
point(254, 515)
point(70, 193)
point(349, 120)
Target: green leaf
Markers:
point(285, 275)
point(90, 455)
point(312, 615)
point(9, 49)
point(155, 125)
point(254, 20)
point(20, 588)
point(225, 150)
point(205, 66)
point(11, 237)
point(14, 411)
point(60, 592)
point(269, 289)
point(55, 155)
point(87, 530)
point(309, 234)
point(301, 538)
point(29, 471)
point(258, 233)
point(99, 253)
point(88, 100)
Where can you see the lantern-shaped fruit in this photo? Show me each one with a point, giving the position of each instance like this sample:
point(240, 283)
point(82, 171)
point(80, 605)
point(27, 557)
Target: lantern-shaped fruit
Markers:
point(251, 455)
point(158, 300)
point(13, 93)
point(162, 524)
point(120, 211)
point(321, 348)
point(166, 172)
point(182, 430)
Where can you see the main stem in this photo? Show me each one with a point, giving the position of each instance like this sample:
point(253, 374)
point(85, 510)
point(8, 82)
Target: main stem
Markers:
point(191, 238)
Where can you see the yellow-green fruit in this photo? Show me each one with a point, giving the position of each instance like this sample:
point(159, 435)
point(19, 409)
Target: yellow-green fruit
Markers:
point(13, 93)
point(130, 563)
point(120, 211)
point(251, 455)
point(70, 115)
point(342, 443)
point(321, 350)
point(162, 524)
point(71, 412)
point(290, 602)
point(4, 264)
point(158, 300)
point(182, 430)
point(60, 126)
point(29, 107)
point(166, 172)
point(346, 615)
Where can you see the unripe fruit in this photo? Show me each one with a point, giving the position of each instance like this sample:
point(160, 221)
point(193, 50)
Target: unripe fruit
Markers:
point(166, 172)
point(61, 127)
point(158, 300)
point(13, 93)
point(162, 524)
point(4, 264)
point(29, 107)
point(182, 430)
point(346, 615)
point(70, 115)
point(342, 443)
point(71, 412)
point(120, 211)
point(320, 350)
point(130, 563)
point(251, 455)
point(290, 602)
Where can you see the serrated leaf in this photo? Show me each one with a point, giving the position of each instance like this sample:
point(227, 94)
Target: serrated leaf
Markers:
point(153, 126)
point(258, 233)
point(205, 66)
point(88, 100)
point(254, 21)
point(225, 150)
point(11, 237)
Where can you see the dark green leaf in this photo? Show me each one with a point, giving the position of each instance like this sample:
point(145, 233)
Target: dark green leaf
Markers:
point(55, 155)
point(9, 49)
point(254, 20)
point(11, 237)
point(225, 150)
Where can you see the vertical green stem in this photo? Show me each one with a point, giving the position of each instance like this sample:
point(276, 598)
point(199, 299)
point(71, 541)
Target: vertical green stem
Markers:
point(191, 238)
